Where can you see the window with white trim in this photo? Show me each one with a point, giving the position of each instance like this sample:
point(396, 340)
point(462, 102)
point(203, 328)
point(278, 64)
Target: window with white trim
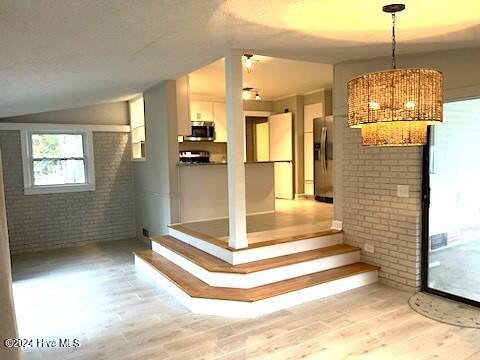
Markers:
point(57, 161)
point(137, 124)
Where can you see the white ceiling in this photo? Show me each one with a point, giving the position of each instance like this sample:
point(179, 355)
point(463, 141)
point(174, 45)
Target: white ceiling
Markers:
point(272, 77)
point(58, 54)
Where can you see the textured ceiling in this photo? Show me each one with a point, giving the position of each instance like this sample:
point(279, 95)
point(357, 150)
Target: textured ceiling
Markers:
point(58, 54)
point(272, 77)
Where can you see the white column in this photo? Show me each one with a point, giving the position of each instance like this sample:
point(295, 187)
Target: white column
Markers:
point(235, 147)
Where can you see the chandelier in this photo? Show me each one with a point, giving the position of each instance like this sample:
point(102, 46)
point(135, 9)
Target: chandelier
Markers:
point(394, 107)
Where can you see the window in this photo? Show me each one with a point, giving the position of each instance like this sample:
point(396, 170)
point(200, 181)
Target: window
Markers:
point(57, 161)
point(137, 123)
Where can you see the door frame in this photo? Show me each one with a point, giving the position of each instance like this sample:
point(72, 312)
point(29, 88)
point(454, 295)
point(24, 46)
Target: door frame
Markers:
point(425, 227)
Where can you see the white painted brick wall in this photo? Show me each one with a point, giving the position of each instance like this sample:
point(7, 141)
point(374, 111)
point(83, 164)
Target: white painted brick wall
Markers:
point(372, 212)
point(38, 222)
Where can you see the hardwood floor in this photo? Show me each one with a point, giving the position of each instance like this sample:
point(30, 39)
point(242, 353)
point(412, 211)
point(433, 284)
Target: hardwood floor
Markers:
point(93, 293)
point(291, 218)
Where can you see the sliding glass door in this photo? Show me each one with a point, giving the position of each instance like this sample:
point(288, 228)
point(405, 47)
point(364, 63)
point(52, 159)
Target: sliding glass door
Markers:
point(451, 212)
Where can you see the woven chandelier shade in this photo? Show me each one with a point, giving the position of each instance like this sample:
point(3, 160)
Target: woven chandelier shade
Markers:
point(394, 107)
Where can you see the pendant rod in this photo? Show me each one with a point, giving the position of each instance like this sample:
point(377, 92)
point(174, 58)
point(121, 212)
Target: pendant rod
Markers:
point(393, 9)
point(394, 43)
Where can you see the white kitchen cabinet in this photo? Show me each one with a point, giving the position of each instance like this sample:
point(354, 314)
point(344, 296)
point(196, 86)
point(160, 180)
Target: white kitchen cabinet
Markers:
point(201, 111)
point(308, 161)
point(220, 119)
point(281, 149)
point(183, 106)
point(308, 155)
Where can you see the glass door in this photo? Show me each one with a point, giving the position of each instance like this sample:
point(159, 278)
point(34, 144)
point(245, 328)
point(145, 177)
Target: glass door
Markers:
point(451, 204)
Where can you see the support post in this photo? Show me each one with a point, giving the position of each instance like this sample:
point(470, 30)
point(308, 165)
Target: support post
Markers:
point(235, 150)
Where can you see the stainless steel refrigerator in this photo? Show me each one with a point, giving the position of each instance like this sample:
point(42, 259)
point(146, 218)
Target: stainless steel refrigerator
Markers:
point(323, 158)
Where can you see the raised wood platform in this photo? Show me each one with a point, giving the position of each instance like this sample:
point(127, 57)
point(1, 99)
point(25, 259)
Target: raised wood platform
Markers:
point(208, 277)
point(198, 289)
point(224, 244)
point(269, 248)
point(214, 264)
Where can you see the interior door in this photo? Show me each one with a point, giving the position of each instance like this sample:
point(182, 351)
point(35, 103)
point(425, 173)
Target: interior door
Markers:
point(310, 112)
point(451, 207)
point(281, 150)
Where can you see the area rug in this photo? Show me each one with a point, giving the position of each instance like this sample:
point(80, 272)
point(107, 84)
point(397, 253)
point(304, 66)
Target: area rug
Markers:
point(446, 311)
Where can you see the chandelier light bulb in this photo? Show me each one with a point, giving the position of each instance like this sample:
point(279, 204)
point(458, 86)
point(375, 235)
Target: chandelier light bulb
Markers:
point(410, 105)
point(373, 105)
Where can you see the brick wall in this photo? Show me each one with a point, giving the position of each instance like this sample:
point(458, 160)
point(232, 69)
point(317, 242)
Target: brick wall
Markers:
point(372, 212)
point(38, 222)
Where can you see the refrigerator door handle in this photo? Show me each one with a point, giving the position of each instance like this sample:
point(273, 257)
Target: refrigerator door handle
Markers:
point(323, 148)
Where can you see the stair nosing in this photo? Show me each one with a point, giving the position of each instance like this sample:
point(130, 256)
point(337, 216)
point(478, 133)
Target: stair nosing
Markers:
point(243, 294)
point(242, 268)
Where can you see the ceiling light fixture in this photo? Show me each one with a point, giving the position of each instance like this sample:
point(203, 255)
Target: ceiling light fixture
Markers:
point(394, 107)
point(249, 62)
point(247, 93)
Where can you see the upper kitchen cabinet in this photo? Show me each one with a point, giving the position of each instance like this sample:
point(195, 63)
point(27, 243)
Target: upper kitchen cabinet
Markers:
point(183, 106)
point(220, 119)
point(201, 111)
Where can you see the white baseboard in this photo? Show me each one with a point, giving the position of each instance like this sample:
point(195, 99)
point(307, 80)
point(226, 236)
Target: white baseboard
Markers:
point(258, 278)
point(223, 217)
point(257, 308)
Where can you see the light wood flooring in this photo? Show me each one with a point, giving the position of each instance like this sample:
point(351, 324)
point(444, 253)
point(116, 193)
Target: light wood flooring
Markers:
point(291, 218)
point(94, 293)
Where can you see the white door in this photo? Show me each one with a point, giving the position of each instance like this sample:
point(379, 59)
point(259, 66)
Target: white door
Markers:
point(281, 150)
point(310, 112)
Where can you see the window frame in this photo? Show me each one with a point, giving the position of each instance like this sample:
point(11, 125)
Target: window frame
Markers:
point(27, 160)
point(131, 103)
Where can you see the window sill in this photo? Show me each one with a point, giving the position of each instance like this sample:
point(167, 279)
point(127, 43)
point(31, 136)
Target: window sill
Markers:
point(54, 189)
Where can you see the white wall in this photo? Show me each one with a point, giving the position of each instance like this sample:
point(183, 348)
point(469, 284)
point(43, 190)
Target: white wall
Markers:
point(115, 113)
point(365, 178)
point(156, 178)
point(8, 325)
point(204, 195)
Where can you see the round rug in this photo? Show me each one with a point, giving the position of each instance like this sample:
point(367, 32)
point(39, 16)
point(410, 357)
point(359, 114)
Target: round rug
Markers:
point(445, 310)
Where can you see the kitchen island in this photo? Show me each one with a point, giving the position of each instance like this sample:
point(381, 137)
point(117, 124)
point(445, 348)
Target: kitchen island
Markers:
point(203, 190)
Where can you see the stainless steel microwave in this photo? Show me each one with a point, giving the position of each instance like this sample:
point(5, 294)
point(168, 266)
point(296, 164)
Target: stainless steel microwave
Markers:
point(201, 131)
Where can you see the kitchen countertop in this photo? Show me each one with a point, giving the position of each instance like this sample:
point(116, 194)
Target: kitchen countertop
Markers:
point(225, 163)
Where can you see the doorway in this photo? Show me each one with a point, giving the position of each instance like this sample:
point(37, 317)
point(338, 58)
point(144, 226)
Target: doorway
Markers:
point(451, 205)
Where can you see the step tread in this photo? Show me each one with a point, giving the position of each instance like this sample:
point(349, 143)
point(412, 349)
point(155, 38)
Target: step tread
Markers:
point(223, 244)
point(214, 264)
point(198, 289)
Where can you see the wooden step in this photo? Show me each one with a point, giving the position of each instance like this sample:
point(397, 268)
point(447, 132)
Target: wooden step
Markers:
point(195, 288)
point(214, 264)
point(224, 244)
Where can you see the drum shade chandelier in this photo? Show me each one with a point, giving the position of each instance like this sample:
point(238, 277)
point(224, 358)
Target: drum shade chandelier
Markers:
point(394, 107)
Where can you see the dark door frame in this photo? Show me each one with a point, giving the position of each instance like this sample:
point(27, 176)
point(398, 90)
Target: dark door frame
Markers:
point(425, 228)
